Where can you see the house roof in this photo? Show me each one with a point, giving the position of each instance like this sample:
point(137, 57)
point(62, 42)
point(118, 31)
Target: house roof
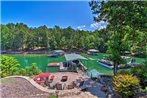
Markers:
point(71, 57)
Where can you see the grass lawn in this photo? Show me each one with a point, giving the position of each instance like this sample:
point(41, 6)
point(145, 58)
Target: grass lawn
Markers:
point(53, 96)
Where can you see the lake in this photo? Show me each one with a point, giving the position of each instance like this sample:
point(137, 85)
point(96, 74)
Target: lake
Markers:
point(42, 61)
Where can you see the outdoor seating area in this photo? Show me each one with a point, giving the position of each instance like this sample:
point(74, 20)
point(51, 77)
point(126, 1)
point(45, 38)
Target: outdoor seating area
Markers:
point(42, 77)
point(60, 80)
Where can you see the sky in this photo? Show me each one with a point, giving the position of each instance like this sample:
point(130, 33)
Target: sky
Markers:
point(76, 14)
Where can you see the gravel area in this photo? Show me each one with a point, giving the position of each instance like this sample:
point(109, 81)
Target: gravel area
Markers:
point(20, 88)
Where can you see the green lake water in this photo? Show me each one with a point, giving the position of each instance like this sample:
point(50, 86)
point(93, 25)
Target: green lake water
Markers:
point(42, 61)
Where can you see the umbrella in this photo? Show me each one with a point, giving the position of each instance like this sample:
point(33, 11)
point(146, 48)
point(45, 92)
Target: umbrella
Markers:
point(52, 77)
point(36, 77)
point(41, 77)
point(44, 75)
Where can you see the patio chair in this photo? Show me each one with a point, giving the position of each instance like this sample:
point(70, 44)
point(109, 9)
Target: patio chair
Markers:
point(60, 86)
point(70, 86)
point(52, 85)
point(46, 82)
point(81, 83)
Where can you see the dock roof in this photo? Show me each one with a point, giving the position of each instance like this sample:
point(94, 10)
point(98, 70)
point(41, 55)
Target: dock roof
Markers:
point(71, 57)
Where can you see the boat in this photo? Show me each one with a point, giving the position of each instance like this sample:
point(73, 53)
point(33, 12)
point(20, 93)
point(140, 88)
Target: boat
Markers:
point(56, 53)
point(132, 64)
point(106, 63)
point(92, 52)
point(109, 64)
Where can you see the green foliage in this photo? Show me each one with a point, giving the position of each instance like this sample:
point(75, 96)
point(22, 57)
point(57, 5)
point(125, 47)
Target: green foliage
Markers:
point(20, 36)
point(114, 49)
point(29, 70)
point(9, 66)
point(141, 72)
point(115, 12)
point(123, 72)
point(125, 85)
point(54, 95)
point(126, 33)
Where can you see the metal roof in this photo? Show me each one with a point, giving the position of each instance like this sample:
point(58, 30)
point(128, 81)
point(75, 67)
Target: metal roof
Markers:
point(93, 50)
point(71, 57)
point(58, 51)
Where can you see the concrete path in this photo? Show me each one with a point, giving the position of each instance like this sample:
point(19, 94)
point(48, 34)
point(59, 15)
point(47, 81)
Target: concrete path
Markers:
point(33, 83)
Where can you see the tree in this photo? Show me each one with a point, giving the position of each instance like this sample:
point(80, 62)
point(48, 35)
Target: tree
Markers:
point(114, 49)
point(6, 37)
point(53, 43)
point(31, 41)
point(119, 16)
point(115, 13)
point(9, 66)
point(20, 36)
point(62, 42)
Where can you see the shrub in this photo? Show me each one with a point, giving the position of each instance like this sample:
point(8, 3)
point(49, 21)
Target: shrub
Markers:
point(125, 85)
point(30, 70)
point(53, 96)
point(35, 69)
point(123, 72)
point(141, 72)
point(9, 66)
point(22, 72)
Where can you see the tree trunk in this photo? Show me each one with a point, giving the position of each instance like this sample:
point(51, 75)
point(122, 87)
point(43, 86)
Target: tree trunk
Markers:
point(115, 69)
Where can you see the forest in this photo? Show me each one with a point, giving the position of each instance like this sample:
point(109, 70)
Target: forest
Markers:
point(127, 34)
point(19, 37)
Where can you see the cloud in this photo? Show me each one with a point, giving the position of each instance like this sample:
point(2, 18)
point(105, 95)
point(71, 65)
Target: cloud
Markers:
point(98, 25)
point(81, 27)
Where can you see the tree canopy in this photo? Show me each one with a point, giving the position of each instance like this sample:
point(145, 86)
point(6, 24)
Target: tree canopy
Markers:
point(126, 26)
point(20, 36)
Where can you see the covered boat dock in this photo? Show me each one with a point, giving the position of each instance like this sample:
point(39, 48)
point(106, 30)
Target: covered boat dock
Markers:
point(74, 60)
